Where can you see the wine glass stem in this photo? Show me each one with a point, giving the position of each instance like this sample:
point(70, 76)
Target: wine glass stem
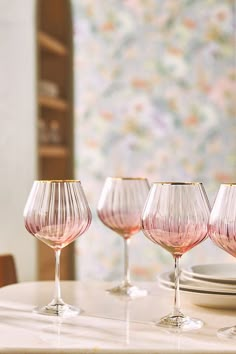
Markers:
point(57, 292)
point(126, 263)
point(176, 311)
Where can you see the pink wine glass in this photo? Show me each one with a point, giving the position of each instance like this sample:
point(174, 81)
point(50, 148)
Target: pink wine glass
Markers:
point(57, 213)
point(119, 208)
point(176, 216)
point(223, 231)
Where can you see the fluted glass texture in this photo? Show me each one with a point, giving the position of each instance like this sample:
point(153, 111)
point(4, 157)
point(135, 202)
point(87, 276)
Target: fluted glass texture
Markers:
point(223, 219)
point(121, 203)
point(119, 208)
point(176, 216)
point(57, 212)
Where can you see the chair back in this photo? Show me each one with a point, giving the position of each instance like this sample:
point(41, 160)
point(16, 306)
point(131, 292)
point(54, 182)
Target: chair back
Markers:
point(7, 270)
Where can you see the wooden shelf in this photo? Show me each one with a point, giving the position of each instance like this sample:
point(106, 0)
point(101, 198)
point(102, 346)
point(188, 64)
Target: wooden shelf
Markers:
point(54, 42)
point(53, 103)
point(51, 44)
point(53, 151)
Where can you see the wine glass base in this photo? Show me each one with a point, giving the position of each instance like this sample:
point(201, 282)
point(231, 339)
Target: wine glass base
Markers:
point(60, 310)
point(227, 332)
point(180, 322)
point(128, 290)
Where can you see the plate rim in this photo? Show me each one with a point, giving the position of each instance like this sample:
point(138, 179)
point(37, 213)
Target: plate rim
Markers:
point(190, 272)
point(164, 279)
point(212, 301)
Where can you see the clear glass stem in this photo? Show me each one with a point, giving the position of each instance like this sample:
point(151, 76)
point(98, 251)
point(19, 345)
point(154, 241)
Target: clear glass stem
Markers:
point(176, 318)
point(57, 290)
point(126, 262)
point(176, 310)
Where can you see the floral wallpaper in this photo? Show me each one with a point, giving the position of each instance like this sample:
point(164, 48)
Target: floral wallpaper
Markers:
point(155, 86)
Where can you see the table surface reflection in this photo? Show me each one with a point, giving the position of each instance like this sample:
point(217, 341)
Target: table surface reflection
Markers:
point(108, 324)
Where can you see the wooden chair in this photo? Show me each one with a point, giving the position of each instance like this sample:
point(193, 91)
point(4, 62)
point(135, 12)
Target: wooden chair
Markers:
point(7, 270)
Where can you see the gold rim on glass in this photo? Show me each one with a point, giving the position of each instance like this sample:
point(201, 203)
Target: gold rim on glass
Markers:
point(128, 178)
point(179, 183)
point(58, 180)
point(228, 184)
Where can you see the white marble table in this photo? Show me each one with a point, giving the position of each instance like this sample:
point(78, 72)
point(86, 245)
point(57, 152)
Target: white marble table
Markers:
point(108, 324)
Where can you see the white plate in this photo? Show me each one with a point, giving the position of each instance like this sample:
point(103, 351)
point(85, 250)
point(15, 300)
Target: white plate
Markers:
point(224, 273)
point(167, 279)
point(207, 283)
point(211, 300)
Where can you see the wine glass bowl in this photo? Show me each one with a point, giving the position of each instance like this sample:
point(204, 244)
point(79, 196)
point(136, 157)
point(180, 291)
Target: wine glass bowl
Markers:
point(222, 231)
point(57, 213)
point(119, 208)
point(175, 217)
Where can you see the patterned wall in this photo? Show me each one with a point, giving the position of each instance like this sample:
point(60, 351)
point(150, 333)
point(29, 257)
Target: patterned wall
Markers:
point(155, 85)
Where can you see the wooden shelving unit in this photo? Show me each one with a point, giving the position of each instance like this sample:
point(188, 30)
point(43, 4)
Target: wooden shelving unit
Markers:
point(51, 44)
point(52, 102)
point(55, 112)
point(53, 151)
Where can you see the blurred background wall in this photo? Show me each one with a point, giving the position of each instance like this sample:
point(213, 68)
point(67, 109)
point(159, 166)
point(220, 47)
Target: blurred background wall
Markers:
point(155, 97)
point(18, 130)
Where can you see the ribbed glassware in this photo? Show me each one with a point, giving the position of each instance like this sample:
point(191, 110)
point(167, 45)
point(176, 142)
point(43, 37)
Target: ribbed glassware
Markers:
point(223, 231)
point(176, 217)
point(119, 208)
point(57, 213)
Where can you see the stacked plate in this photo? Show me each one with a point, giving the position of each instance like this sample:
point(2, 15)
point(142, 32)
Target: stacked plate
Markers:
point(209, 285)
